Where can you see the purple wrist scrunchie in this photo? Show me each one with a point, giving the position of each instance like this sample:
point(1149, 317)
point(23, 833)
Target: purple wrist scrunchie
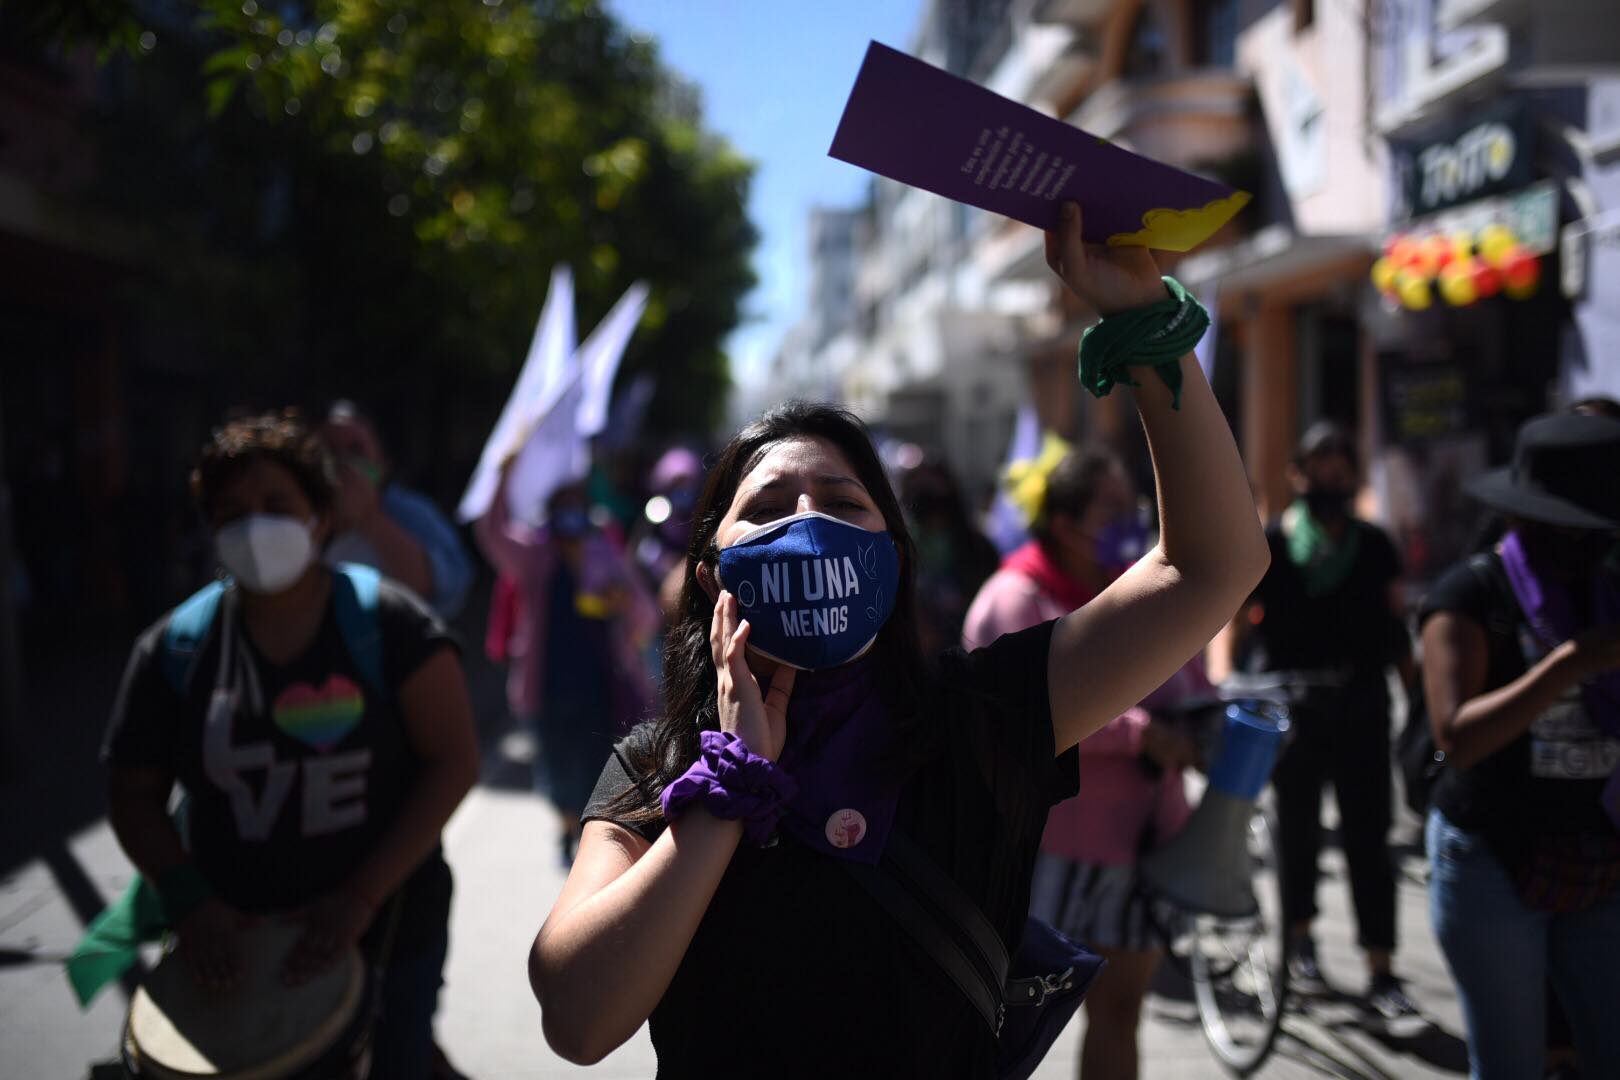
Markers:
point(732, 784)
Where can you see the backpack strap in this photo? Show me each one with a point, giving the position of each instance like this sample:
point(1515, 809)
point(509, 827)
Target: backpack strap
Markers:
point(355, 592)
point(354, 601)
point(186, 632)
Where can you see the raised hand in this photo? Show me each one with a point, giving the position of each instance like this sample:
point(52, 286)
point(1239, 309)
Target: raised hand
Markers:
point(1108, 279)
point(759, 720)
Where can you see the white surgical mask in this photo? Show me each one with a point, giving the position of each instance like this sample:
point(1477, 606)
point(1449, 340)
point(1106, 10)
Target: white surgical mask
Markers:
point(266, 552)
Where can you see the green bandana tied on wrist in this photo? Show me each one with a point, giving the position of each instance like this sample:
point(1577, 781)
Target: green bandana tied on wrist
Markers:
point(1155, 336)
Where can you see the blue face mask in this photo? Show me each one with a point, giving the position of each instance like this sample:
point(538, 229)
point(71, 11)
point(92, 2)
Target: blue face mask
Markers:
point(815, 590)
point(570, 523)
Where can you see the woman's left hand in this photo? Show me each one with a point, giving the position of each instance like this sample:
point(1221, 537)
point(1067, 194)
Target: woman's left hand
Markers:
point(331, 925)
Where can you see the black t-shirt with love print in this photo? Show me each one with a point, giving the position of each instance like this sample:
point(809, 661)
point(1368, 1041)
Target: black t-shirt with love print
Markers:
point(294, 771)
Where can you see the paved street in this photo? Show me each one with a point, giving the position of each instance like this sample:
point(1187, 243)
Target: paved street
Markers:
point(501, 846)
point(59, 862)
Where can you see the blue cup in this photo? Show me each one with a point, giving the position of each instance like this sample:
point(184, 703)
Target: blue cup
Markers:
point(1249, 745)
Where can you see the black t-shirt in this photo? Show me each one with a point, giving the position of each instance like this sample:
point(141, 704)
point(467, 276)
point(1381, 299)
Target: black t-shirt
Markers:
point(292, 784)
point(1350, 626)
point(1547, 782)
point(795, 971)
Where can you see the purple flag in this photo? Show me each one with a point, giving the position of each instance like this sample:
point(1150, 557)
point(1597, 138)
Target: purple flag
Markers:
point(1205, 349)
point(925, 127)
point(1005, 524)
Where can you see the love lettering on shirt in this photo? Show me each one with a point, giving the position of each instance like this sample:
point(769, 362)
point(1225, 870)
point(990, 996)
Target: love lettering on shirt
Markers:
point(817, 580)
point(333, 788)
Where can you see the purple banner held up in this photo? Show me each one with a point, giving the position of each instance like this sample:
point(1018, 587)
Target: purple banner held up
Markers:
point(914, 123)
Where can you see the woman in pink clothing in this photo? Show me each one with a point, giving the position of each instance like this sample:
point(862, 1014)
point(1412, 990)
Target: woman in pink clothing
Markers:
point(583, 615)
point(1087, 530)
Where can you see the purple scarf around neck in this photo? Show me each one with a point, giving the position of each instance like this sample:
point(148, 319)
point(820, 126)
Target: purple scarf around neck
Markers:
point(839, 737)
point(1550, 611)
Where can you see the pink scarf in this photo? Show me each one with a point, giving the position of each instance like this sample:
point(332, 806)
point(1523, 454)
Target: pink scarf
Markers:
point(1033, 561)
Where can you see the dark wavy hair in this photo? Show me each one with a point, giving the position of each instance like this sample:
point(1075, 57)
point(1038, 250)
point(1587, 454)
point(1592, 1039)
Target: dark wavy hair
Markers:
point(1073, 484)
point(690, 696)
point(281, 437)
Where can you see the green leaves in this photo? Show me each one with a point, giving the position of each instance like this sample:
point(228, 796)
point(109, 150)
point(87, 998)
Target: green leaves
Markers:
point(390, 182)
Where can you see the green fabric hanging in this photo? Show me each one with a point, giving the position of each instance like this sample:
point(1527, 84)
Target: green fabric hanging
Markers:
point(148, 909)
point(1323, 563)
point(112, 943)
point(1157, 336)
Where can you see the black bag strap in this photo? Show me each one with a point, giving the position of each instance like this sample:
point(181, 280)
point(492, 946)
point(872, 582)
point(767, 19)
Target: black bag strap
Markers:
point(947, 925)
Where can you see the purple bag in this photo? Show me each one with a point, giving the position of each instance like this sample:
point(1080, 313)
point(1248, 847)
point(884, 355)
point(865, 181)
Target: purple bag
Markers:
point(1046, 982)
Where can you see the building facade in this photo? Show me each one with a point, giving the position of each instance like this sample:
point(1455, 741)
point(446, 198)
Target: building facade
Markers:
point(1354, 126)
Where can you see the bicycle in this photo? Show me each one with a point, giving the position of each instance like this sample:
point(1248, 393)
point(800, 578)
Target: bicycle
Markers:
point(1235, 952)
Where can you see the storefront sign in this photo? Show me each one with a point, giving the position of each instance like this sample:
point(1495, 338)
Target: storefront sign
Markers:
point(1424, 401)
point(1530, 214)
point(1590, 250)
point(1488, 153)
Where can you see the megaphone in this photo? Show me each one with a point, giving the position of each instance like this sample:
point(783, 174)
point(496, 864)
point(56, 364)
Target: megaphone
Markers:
point(1205, 868)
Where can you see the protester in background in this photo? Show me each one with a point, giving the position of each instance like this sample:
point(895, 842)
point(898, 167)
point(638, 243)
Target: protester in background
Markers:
point(1563, 1063)
point(583, 614)
point(660, 546)
point(381, 523)
point(709, 881)
point(323, 788)
point(1328, 621)
point(1087, 531)
point(1521, 649)
point(953, 556)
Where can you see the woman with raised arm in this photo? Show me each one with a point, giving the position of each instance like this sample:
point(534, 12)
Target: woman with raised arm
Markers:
point(803, 729)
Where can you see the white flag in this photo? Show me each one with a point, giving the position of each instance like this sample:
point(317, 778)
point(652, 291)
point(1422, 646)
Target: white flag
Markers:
point(553, 455)
point(556, 449)
point(543, 373)
point(600, 355)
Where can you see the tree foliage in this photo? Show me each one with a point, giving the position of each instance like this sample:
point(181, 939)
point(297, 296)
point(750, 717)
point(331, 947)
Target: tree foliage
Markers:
point(367, 196)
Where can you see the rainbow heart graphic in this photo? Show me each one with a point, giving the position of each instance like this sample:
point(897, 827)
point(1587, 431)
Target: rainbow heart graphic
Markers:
point(320, 718)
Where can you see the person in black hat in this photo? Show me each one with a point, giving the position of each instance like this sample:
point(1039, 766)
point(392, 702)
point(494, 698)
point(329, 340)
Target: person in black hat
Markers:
point(1327, 623)
point(1521, 649)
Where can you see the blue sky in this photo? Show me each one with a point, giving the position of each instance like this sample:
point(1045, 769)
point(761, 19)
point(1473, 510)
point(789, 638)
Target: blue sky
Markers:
point(774, 78)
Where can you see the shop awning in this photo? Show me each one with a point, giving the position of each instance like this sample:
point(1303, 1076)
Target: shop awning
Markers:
point(1274, 254)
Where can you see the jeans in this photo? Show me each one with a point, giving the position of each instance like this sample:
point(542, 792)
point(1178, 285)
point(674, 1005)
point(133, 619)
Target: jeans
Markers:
point(402, 1044)
point(1502, 953)
point(1342, 736)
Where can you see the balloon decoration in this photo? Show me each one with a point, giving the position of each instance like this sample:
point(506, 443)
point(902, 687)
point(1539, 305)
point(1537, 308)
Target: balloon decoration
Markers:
point(1464, 268)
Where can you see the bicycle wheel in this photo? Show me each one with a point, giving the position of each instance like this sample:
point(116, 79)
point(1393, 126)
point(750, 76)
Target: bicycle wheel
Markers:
point(1239, 972)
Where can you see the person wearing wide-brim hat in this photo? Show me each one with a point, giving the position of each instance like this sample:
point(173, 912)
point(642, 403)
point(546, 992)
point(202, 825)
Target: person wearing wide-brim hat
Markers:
point(1521, 649)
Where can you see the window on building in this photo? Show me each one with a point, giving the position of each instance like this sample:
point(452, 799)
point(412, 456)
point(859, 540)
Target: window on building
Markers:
point(1147, 52)
point(1213, 33)
point(1304, 14)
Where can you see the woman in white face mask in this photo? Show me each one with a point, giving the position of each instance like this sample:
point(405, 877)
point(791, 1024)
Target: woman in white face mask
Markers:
point(318, 720)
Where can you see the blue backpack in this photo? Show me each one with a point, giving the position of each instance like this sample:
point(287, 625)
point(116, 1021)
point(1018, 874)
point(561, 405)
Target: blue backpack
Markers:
point(354, 598)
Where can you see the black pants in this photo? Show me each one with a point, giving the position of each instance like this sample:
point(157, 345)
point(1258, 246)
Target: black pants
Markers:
point(1342, 736)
